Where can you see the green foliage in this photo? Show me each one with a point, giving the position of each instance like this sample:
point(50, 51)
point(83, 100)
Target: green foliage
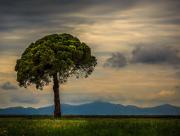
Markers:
point(60, 54)
point(89, 127)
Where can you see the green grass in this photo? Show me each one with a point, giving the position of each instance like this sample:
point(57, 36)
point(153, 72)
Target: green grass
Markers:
point(89, 127)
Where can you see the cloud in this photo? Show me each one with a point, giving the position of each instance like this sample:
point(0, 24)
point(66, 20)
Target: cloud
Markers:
point(166, 96)
point(24, 21)
point(8, 86)
point(117, 60)
point(156, 55)
point(24, 99)
point(149, 54)
point(24, 13)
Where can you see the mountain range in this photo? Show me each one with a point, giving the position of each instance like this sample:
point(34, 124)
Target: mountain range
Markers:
point(94, 108)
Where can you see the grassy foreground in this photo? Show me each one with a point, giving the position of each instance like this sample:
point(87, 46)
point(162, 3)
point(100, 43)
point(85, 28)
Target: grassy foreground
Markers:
point(89, 127)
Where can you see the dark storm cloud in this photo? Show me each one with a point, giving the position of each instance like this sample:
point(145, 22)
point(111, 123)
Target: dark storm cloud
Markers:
point(21, 13)
point(8, 86)
point(31, 18)
point(26, 13)
point(49, 16)
point(156, 55)
point(117, 60)
point(46, 7)
point(148, 54)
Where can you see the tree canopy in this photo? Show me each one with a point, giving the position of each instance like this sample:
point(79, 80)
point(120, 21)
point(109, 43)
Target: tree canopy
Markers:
point(60, 54)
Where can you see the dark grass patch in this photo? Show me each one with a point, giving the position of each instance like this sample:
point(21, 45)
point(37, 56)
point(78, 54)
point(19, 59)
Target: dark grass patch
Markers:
point(48, 126)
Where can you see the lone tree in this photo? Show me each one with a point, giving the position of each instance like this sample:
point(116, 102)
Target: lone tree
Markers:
point(54, 58)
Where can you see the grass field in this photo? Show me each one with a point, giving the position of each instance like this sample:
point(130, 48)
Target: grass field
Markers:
point(24, 126)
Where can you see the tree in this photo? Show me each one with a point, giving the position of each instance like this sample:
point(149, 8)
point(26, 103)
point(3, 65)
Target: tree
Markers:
point(54, 58)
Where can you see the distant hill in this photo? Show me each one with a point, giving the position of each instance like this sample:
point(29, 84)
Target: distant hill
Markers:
point(95, 108)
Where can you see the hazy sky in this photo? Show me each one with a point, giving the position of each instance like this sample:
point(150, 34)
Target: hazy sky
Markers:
point(136, 42)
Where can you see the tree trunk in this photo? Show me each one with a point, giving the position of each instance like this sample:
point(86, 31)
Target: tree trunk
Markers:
point(57, 106)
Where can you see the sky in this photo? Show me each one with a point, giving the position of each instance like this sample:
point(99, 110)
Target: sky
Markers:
point(136, 43)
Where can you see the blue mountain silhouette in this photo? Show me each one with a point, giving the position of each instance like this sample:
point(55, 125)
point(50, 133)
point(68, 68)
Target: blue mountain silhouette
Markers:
point(95, 108)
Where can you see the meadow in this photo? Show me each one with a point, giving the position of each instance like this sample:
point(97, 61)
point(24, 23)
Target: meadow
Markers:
point(48, 126)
